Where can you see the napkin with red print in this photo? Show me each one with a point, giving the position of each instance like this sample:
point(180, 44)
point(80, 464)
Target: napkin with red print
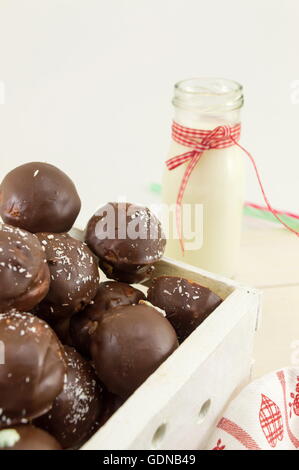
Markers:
point(264, 416)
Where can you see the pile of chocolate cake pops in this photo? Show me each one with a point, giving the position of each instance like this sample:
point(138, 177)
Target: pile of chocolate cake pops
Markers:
point(73, 349)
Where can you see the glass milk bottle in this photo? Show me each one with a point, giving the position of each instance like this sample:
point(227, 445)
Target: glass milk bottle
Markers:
point(212, 203)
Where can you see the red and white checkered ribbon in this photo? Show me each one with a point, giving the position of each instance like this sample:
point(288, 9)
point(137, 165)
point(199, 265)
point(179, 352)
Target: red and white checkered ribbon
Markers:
point(199, 141)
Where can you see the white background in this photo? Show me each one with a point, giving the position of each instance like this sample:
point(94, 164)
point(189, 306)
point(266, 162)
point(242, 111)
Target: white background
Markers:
point(88, 86)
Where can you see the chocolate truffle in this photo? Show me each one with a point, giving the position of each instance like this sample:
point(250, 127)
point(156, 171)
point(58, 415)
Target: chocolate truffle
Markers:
point(27, 437)
point(186, 303)
point(39, 198)
point(128, 240)
point(74, 276)
point(77, 407)
point(33, 371)
point(129, 344)
point(110, 294)
point(24, 274)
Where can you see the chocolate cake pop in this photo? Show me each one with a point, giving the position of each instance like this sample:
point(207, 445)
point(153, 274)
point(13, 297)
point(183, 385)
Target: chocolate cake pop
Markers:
point(24, 274)
point(129, 344)
point(39, 197)
point(128, 240)
point(74, 276)
point(77, 407)
point(110, 294)
point(186, 303)
point(27, 437)
point(33, 371)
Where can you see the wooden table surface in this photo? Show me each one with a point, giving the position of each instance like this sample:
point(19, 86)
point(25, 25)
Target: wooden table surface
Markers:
point(270, 261)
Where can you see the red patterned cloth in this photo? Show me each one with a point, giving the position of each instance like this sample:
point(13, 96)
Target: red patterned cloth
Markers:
point(264, 416)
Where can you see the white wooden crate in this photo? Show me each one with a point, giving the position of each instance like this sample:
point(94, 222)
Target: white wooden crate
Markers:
point(178, 406)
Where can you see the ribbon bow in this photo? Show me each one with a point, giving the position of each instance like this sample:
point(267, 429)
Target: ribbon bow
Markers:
point(199, 141)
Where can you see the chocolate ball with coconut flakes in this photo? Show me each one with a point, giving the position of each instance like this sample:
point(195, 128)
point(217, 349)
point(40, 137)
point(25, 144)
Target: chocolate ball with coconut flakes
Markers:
point(74, 276)
point(33, 369)
point(186, 303)
point(128, 240)
point(77, 408)
point(24, 274)
point(129, 344)
point(27, 437)
point(110, 294)
point(39, 197)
